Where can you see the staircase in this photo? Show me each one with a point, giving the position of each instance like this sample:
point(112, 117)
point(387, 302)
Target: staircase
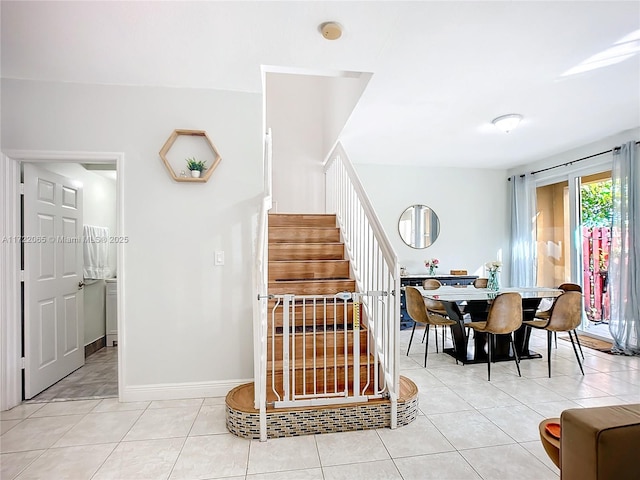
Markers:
point(306, 258)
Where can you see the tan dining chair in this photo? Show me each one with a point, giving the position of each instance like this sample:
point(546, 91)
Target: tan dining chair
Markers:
point(545, 314)
point(434, 307)
point(565, 316)
point(431, 284)
point(418, 312)
point(481, 282)
point(504, 317)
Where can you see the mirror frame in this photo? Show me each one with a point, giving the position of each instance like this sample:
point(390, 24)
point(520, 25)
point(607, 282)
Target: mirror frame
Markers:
point(430, 222)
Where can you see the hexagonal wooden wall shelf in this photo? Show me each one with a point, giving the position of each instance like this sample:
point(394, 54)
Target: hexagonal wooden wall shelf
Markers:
point(193, 133)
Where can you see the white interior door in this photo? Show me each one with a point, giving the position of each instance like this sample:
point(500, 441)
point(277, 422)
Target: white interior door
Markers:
point(53, 295)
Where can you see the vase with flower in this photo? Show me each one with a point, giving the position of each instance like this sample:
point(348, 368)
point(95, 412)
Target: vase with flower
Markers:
point(492, 273)
point(431, 264)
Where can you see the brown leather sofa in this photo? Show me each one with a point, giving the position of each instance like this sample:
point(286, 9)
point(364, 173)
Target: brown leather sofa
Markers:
point(600, 443)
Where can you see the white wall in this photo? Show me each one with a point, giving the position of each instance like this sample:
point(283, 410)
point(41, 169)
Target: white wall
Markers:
point(341, 94)
point(187, 324)
point(298, 147)
point(472, 205)
point(99, 208)
point(587, 150)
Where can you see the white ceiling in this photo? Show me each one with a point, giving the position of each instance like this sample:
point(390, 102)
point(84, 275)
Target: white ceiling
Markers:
point(441, 70)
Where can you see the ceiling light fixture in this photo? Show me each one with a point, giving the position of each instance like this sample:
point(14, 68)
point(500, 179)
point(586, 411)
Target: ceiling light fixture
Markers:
point(506, 123)
point(331, 30)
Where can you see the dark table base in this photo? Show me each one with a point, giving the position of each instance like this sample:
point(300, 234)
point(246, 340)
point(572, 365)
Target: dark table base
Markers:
point(471, 359)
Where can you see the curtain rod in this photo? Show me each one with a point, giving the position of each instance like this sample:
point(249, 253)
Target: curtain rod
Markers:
point(573, 161)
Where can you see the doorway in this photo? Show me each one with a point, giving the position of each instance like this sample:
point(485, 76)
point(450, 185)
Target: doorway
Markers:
point(95, 374)
point(12, 350)
point(573, 238)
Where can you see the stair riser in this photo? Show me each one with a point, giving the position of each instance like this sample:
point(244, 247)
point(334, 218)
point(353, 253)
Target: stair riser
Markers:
point(285, 220)
point(301, 251)
point(331, 338)
point(334, 376)
point(308, 270)
point(303, 235)
point(311, 287)
point(313, 315)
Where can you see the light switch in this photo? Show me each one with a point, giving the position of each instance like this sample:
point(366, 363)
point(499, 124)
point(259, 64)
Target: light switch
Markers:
point(219, 258)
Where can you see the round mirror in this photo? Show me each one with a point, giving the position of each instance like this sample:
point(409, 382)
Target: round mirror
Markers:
point(419, 226)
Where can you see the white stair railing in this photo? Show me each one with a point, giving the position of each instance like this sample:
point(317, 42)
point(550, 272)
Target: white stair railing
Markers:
point(374, 263)
point(260, 276)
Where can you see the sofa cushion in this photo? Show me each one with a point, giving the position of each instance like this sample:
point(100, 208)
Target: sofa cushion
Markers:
point(600, 443)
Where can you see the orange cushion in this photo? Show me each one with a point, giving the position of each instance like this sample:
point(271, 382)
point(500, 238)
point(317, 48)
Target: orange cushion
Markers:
point(553, 429)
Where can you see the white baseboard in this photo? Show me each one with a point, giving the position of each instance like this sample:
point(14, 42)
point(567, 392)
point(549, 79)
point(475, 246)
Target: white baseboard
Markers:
point(176, 391)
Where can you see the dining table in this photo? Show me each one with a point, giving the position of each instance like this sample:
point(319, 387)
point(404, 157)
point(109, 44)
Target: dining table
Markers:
point(465, 304)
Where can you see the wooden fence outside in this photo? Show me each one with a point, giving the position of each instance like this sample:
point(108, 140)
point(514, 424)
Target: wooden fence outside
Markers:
point(595, 267)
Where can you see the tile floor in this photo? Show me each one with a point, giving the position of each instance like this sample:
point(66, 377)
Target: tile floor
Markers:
point(468, 428)
point(97, 378)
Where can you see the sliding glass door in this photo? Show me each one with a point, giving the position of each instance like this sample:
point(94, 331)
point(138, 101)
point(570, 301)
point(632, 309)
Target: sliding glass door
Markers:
point(573, 237)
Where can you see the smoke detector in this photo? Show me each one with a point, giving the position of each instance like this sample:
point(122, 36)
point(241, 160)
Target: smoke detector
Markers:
point(331, 30)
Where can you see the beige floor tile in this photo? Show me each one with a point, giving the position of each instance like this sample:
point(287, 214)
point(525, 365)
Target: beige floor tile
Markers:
point(37, 433)
point(600, 401)
point(609, 384)
point(70, 463)
point(515, 462)
point(381, 470)
point(290, 453)
point(147, 459)
point(536, 448)
point(553, 409)
point(211, 419)
point(212, 456)
point(11, 464)
point(423, 379)
point(22, 411)
point(99, 428)
point(484, 395)
point(572, 388)
point(350, 447)
point(214, 401)
point(163, 423)
point(518, 421)
point(6, 425)
point(66, 408)
point(308, 474)
point(114, 405)
point(441, 400)
point(469, 430)
point(420, 437)
point(528, 391)
point(439, 466)
point(186, 402)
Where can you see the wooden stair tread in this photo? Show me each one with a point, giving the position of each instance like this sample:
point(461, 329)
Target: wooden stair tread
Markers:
point(308, 364)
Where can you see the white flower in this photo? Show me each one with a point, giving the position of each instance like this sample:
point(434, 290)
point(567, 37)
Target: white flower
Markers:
point(493, 266)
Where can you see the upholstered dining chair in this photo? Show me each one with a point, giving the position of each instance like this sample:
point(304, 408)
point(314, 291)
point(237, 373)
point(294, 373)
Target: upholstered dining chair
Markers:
point(434, 306)
point(565, 316)
point(431, 284)
point(481, 282)
point(545, 314)
point(504, 317)
point(418, 312)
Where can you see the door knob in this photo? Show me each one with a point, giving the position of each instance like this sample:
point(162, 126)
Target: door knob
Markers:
point(80, 285)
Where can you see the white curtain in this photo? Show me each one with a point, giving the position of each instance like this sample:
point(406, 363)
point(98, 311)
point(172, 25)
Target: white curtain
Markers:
point(523, 231)
point(624, 258)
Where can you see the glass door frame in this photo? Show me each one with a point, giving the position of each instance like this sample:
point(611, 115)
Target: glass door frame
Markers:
point(572, 174)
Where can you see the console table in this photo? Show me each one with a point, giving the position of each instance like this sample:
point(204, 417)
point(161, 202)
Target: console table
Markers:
point(416, 281)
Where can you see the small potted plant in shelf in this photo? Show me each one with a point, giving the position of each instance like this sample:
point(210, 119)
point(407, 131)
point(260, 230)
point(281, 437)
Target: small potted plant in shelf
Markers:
point(196, 167)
